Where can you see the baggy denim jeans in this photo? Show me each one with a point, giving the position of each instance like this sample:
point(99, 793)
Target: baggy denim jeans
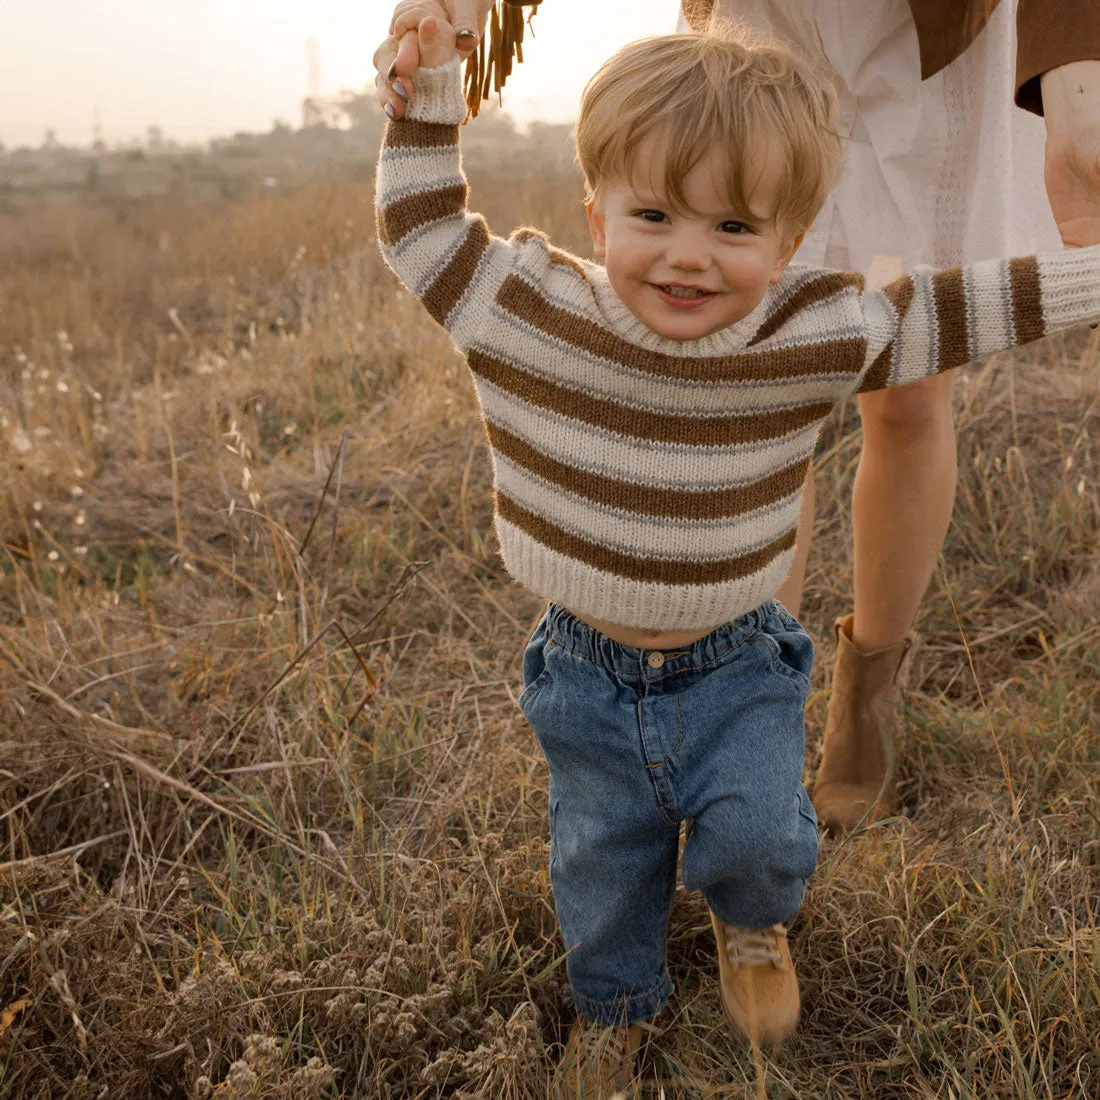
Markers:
point(639, 741)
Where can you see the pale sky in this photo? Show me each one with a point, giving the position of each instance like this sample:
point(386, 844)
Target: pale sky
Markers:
point(200, 68)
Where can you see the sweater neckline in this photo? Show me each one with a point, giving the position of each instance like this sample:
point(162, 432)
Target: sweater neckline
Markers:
point(623, 323)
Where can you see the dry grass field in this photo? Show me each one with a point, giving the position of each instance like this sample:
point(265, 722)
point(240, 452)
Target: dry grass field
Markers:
point(271, 822)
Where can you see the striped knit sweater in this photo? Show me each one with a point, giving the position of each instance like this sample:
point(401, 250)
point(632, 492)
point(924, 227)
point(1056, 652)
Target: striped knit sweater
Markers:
point(651, 482)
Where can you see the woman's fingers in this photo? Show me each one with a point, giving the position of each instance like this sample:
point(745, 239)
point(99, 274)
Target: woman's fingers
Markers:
point(393, 56)
point(468, 17)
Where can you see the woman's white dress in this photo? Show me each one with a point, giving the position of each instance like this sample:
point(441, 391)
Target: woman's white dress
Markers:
point(942, 171)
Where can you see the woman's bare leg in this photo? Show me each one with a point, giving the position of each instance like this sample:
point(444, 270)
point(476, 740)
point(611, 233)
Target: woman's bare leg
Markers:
point(902, 501)
point(901, 506)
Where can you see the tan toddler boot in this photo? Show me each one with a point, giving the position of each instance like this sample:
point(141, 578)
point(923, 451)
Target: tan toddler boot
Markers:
point(759, 985)
point(858, 757)
point(598, 1061)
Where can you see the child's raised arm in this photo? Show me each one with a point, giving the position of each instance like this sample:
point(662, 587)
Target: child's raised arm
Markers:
point(931, 321)
point(443, 253)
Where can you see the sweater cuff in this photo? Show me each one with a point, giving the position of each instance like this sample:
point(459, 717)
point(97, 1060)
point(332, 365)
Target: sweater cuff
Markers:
point(1070, 287)
point(437, 95)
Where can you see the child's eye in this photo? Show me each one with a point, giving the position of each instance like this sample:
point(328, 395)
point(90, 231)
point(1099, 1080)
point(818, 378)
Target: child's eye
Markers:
point(734, 227)
point(654, 216)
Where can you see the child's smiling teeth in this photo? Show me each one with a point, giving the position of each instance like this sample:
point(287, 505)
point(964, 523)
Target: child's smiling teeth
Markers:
point(684, 291)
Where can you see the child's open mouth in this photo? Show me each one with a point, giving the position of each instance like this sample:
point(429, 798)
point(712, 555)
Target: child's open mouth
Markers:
point(682, 297)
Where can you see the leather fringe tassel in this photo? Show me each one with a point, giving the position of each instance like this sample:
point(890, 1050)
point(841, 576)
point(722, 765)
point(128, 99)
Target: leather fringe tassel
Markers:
point(490, 65)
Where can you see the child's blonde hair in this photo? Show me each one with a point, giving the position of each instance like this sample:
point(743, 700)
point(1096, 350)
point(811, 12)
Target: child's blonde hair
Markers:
point(718, 89)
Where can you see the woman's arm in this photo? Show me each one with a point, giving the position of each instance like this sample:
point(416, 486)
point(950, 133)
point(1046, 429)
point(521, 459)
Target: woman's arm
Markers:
point(1071, 104)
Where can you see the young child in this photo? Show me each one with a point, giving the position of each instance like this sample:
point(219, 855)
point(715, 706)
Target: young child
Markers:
point(650, 422)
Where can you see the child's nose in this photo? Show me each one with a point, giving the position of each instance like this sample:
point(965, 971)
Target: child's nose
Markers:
point(687, 255)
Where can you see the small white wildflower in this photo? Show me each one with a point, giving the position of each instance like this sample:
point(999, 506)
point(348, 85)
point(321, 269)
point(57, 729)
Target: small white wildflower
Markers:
point(20, 354)
point(62, 386)
point(290, 429)
point(278, 597)
point(81, 518)
point(78, 472)
point(36, 524)
point(76, 491)
point(53, 555)
point(80, 551)
point(37, 506)
point(43, 374)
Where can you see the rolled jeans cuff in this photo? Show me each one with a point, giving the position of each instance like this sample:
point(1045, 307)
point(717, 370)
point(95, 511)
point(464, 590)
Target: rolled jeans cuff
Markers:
point(627, 1010)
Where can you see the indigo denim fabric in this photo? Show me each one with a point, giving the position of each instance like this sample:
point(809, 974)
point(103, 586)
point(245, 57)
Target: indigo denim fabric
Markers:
point(639, 741)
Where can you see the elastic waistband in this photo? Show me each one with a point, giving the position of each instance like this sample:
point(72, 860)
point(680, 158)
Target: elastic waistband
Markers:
point(628, 663)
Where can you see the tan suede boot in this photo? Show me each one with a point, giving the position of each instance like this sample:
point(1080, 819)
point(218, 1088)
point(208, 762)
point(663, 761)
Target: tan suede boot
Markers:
point(759, 985)
point(858, 758)
point(598, 1062)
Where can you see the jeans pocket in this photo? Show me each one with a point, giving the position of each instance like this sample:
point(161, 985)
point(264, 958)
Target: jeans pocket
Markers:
point(536, 670)
point(790, 653)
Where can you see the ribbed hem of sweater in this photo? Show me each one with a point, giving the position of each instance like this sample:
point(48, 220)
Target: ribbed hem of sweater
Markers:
point(437, 95)
point(645, 605)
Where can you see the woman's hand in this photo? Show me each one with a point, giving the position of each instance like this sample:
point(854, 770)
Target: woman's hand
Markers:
point(1071, 104)
point(458, 26)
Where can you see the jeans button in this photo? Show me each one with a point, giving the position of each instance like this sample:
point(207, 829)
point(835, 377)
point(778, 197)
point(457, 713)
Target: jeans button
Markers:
point(655, 659)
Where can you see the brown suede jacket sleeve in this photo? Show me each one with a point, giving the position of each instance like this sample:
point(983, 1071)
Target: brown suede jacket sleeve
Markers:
point(1051, 33)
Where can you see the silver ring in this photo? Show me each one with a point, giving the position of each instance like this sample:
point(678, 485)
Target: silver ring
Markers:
point(465, 32)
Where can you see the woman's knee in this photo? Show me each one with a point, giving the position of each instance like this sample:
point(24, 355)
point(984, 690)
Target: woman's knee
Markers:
point(909, 414)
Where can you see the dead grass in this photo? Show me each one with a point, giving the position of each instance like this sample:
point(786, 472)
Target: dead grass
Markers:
point(272, 825)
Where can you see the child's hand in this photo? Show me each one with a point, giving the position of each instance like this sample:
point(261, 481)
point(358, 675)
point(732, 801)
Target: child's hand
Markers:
point(421, 36)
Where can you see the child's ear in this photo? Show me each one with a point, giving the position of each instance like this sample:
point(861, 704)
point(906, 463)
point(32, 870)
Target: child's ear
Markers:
point(786, 254)
point(596, 227)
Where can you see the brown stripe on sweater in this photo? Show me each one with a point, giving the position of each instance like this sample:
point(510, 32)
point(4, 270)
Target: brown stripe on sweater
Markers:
point(413, 211)
point(1027, 299)
point(556, 256)
point(695, 430)
point(899, 294)
point(817, 290)
point(649, 500)
point(634, 567)
point(949, 296)
point(410, 134)
point(451, 283)
point(824, 357)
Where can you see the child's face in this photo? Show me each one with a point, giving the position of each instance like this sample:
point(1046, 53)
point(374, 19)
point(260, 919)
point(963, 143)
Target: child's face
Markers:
point(685, 276)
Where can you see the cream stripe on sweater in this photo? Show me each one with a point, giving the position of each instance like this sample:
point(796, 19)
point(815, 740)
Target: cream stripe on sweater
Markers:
point(652, 482)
